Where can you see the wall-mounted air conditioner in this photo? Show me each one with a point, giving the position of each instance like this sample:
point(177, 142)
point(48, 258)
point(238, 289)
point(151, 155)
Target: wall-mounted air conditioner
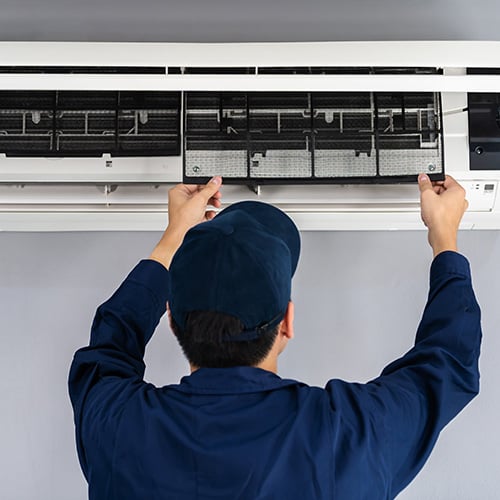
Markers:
point(92, 135)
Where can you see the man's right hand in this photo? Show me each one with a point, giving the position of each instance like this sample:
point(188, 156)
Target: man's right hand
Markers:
point(442, 206)
point(187, 204)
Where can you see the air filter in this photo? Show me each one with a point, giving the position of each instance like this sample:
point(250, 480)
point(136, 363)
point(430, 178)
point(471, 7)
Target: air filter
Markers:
point(259, 138)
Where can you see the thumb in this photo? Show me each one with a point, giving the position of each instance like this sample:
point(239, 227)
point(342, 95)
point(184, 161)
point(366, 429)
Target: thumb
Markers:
point(211, 187)
point(424, 183)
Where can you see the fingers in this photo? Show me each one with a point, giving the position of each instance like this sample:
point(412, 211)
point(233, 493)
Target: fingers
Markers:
point(211, 188)
point(438, 187)
point(189, 189)
point(214, 202)
point(215, 199)
point(424, 183)
point(450, 183)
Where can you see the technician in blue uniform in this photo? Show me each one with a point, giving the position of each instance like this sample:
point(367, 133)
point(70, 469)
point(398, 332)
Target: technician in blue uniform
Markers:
point(233, 429)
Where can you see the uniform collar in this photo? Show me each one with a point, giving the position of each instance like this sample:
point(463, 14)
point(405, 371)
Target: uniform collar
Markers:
point(236, 380)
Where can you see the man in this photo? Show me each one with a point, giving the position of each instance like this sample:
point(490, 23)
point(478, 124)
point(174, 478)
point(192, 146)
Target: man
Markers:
point(233, 429)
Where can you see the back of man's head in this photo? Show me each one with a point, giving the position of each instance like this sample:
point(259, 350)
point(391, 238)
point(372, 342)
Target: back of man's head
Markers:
point(231, 284)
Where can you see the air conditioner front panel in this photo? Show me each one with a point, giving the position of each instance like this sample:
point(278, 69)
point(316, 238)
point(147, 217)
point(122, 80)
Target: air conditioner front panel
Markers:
point(92, 136)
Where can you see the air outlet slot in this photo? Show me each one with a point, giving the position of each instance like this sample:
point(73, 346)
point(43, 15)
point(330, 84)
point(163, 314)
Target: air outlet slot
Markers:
point(304, 70)
point(232, 70)
point(82, 70)
point(347, 70)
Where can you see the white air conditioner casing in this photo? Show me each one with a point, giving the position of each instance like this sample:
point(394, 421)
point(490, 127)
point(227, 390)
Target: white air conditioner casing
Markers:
point(130, 193)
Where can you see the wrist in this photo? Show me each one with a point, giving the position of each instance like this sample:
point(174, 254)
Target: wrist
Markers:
point(444, 248)
point(175, 233)
point(442, 243)
point(170, 241)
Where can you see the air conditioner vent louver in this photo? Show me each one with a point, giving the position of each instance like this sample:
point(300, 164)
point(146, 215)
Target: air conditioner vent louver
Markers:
point(346, 70)
point(303, 70)
point(233, 70)
point(89, 123)
point(83, 70)
point(313, 137)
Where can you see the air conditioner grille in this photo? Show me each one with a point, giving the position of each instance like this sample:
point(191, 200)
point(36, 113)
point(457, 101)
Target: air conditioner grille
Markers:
point(89, 123)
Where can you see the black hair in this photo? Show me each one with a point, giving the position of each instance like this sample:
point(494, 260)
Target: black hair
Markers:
point(206, 341)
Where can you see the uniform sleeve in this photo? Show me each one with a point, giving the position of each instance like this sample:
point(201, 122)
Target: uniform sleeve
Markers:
point(398, 416)
point(104, 375)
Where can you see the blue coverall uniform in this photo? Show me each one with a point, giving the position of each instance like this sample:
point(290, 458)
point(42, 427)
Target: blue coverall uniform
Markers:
point(245, 433)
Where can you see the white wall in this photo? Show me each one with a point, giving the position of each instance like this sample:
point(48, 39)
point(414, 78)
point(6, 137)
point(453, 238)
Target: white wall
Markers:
point(358, 300)
point(245, 20)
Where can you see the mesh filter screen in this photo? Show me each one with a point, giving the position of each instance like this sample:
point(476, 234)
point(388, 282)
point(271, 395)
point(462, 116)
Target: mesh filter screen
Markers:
point(281, 163)
point(409, 162)
point(209, 163)
point(312, 137)
point(343, 163)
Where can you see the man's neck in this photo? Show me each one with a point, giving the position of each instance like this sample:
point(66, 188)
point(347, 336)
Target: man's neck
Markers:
point(270, 364)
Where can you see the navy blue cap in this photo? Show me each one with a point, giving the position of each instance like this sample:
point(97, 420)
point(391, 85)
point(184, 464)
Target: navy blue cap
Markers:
point(240, 263)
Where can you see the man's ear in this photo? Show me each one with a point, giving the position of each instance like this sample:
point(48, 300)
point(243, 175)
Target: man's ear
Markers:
point(286, 327)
